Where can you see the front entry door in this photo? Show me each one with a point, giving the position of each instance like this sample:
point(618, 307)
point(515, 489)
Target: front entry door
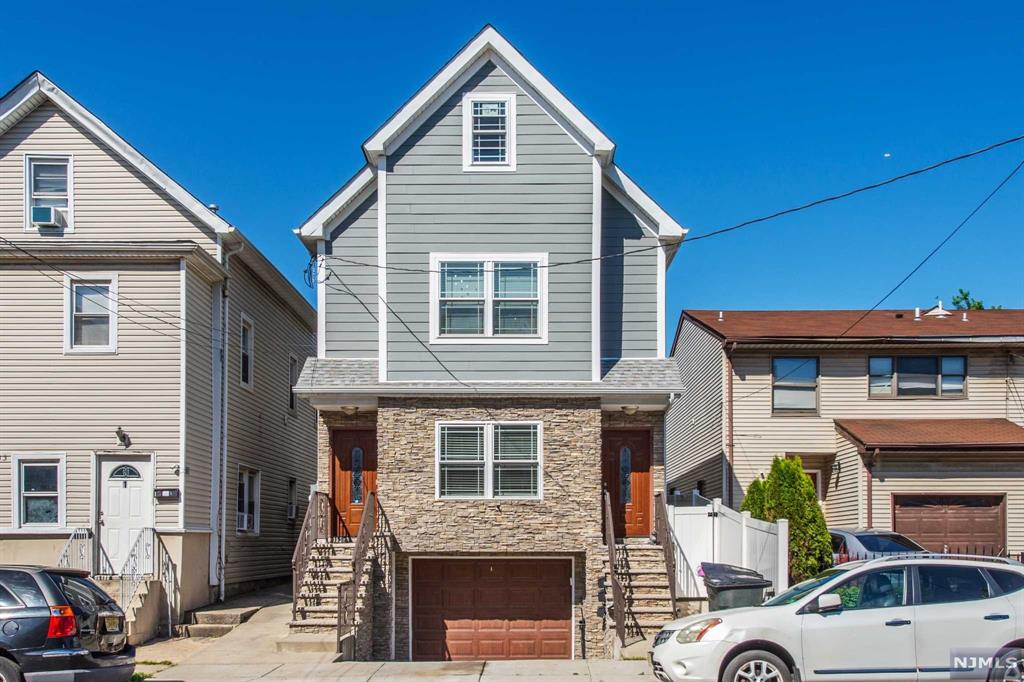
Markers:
point(126, 507)
point(627, 476)
point(354, 477)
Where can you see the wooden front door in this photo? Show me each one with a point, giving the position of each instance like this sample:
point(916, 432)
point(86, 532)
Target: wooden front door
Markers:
point(353, 477)
point(627, 476)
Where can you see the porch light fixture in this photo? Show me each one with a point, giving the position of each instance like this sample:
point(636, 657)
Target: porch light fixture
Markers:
point(349, 410)
point(630, 410)
point(123, 438)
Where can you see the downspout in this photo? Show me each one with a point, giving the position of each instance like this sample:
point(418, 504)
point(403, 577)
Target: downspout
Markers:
point(868, 468)
point(224, 315)
point(729, 348)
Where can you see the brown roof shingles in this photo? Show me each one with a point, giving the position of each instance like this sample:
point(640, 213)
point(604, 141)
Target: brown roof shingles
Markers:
point(933, 434)
point(761, 325)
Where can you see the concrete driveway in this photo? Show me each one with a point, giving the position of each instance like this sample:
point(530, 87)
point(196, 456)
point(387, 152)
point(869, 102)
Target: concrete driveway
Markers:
point(249, 653)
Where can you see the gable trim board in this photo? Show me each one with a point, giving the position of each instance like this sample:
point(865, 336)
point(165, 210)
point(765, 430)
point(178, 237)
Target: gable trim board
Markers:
point(595, 275)
point(23, 98)
point(487, 43)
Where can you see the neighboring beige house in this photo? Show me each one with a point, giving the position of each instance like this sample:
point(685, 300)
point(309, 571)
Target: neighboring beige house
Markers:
point(906, 420)
point(115, 286)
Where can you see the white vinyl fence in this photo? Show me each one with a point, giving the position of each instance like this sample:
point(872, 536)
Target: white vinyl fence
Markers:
point(710, 531)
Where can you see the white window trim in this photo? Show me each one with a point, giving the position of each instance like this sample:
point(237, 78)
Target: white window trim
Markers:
point(70, 279)
point(251, 495)
point(541, 337)
point(58, 458)
point(819, 482)
point(243, 320)
point(467, 131)
point(292, 489)
point(488, 460)
point(293, 400)
point(69, 214)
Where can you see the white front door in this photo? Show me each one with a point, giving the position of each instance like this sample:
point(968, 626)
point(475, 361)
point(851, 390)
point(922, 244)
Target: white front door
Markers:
point(126, 507)
point(871, 639)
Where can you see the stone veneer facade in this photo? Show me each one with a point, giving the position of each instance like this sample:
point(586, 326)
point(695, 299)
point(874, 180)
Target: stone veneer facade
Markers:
point(565, 523)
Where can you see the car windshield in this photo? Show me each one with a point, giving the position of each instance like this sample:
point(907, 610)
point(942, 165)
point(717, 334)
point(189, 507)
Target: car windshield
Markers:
point(796, 592)
point(890, 542)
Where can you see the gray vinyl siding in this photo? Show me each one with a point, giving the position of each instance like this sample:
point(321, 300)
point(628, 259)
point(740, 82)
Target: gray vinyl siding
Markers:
point(54, 402)
point(262, 433)
point(545, 205)
point(694, 435)
point(199, 415)
point(351, 309)
point(629, 285)
point(112, 200)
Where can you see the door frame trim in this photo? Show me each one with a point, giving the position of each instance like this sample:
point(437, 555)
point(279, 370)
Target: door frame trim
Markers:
point(650, 449)
point(572, 584)
point(1004, 516)
point(98, 456)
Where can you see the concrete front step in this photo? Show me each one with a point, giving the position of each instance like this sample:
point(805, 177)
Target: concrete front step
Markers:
point(224, 616)
point(320, 622)
point(207, 629)
point(308, 643)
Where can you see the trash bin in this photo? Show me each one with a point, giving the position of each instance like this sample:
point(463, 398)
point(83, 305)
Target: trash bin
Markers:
point(730, 587)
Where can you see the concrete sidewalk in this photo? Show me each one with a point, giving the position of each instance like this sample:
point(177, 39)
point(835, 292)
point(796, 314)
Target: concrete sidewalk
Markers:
point(249, 653)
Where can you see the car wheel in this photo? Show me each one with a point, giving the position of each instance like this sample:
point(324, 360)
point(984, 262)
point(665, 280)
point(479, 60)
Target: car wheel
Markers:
point(9, 671)
point(1009, 666)
point(757, 666)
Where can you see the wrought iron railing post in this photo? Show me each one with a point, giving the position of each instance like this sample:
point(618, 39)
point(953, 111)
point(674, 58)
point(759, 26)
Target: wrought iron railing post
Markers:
point(618, 595)
point(315, 526)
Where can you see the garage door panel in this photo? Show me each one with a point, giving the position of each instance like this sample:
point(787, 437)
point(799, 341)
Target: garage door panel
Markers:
point(974, 523)
point(491, 609)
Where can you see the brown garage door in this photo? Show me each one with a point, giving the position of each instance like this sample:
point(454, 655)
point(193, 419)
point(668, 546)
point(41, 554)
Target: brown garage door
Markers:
point(474, 609)
point(960, 523)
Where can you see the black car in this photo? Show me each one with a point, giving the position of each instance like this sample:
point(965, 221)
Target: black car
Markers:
point(58, 625)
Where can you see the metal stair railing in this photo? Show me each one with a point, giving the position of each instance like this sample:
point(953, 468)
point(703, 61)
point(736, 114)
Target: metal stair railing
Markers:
point(618, 595)
point(314, 528)
point(78, 551)
point(138, 565)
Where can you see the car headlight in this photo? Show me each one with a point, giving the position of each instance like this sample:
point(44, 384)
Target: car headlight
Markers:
point(663, 636)
point(694, 632)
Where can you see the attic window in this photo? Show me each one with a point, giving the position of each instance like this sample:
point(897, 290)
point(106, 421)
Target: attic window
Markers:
point(488, 132)
point(48, 192)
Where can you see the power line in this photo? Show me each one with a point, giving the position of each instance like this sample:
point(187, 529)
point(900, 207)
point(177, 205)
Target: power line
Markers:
point(731, 228)
point(910, 274)
point(217, 337)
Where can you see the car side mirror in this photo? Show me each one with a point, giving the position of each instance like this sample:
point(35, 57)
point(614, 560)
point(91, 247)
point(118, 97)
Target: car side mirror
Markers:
point(830, 603)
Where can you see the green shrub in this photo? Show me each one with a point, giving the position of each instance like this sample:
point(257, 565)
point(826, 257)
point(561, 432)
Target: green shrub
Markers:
point(788, 493)
point(753, 501)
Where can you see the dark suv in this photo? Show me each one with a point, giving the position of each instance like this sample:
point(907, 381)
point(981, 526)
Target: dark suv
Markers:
point(56, 624)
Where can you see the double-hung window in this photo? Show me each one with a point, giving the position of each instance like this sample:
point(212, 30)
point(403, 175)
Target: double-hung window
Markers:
point(488, 132)
point(917, 376)
point(480, 298)
point(48, 184)
point(794, 385)
point(246, 343)
point(489, 460)
point(91, 318)
point(39, 485)
point(247, 518)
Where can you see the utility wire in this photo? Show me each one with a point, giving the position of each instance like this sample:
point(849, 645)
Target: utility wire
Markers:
point(731, 228)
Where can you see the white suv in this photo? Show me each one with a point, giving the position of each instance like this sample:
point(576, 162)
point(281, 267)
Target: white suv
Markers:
point(892, 618)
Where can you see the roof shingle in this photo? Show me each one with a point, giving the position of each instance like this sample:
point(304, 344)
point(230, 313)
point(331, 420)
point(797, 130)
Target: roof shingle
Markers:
point(933, 434)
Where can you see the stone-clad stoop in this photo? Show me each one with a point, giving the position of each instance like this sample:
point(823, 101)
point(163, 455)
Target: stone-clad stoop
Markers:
point(641, 572)
point(330, 564)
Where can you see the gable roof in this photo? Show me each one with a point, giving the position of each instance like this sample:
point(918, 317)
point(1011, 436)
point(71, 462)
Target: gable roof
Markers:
point(834, 326)
point(933, 434)
point(488, 46)
point(36, 89)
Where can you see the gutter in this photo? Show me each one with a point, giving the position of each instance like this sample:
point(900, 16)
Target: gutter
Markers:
point(730, 443)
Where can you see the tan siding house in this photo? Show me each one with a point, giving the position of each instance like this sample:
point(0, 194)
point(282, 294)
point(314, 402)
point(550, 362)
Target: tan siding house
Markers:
point(115, 287)
point(796, 375)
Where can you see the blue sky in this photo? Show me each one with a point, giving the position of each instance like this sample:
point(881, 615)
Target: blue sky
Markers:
point(722, 113)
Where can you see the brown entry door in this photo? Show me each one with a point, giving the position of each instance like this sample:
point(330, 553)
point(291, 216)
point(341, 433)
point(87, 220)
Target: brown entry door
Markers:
point(478, 609)
point(354, 477)
point(627, 476)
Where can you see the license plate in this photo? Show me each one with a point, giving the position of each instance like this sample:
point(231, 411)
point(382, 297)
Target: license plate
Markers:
point(112, 623)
